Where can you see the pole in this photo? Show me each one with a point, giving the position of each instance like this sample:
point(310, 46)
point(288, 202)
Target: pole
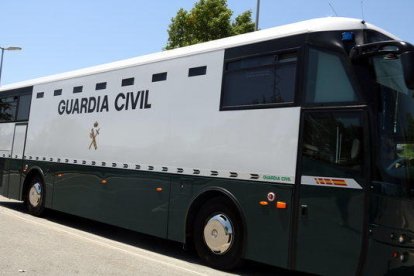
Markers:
point(257, 14)
point(12, 48)
point(1, 61)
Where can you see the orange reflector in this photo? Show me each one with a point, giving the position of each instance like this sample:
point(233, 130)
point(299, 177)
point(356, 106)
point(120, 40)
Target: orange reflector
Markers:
point(104, 181)
point(281, 205)
point(159, 189)
point(264, 203)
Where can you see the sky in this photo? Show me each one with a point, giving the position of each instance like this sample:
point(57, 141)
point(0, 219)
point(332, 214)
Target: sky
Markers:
point(59, 36)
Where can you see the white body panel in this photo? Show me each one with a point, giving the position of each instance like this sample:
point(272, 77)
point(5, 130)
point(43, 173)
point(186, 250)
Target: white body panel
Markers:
point(18, 141)
point(183, 128)
point(6, 138)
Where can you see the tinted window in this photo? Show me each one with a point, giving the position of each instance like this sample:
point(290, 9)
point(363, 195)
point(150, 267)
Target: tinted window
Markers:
point(8, 107)
point(77, 89)
point(57, 92)
point(327, 79)
point(197, 71)
point(259, 81)
point(100, 86)
point(127, 82)
point(24, 108)
point(373, 36)
point(333, 145)
point(395, 127)
point(159, 77)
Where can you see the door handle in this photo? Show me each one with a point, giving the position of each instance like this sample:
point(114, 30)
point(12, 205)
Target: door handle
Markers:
point(304, 210)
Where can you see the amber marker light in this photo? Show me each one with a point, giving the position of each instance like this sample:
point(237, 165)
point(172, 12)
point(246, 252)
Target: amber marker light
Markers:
point(281, 205)
point(104, 181)
point(59, 174)
point(264, 203)
point(158, 189)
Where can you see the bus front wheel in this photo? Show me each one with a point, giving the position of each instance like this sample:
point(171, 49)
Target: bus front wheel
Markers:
point(35, 196)
point(218, 234)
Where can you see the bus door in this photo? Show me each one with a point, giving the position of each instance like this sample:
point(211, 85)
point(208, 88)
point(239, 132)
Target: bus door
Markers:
point(15, 164)
point(331, 192)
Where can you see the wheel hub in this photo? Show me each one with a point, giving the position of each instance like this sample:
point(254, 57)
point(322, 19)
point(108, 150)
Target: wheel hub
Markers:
point(35, 194)
point(218, 234)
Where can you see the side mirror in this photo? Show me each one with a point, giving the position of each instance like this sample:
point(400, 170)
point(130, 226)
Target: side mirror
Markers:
point(407, 61)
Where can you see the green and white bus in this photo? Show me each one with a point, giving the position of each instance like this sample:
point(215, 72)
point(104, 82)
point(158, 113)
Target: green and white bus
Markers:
point(291, 146)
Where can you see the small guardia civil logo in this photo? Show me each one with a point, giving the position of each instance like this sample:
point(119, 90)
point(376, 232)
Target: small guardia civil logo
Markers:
point(93, 134)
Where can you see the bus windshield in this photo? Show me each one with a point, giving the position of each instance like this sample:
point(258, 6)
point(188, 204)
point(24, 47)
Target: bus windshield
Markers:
point(395, 153)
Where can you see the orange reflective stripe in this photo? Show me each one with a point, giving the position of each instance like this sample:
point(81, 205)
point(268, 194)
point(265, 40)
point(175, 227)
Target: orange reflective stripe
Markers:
point(339, 182)
point(330, 181)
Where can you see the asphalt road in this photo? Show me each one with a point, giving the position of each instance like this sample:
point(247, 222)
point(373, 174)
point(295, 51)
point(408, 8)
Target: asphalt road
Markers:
point(61, 244)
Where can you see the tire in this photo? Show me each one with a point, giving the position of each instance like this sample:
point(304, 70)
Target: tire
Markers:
point(35, 196)
point(218, 247)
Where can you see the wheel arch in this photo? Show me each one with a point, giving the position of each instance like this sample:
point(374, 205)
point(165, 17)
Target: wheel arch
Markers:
point(199, 200)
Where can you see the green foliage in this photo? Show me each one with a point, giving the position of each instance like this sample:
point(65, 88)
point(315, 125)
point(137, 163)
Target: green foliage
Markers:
point(243, 23)
point(207, 20)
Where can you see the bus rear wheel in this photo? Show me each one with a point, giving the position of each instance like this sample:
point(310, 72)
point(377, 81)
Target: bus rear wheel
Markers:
point(35, 196)
point(218, 234)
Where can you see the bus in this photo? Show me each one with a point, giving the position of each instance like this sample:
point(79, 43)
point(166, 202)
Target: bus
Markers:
point(291, 146)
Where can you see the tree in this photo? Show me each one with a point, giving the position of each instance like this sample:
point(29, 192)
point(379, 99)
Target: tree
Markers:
point(207, 20)
point(243, 23)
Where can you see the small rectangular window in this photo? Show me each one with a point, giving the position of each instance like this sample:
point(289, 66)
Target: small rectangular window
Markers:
point(77, 89)
point(40, 95)
point(100, 86)
point(159, 77)
point(197, 71)
point(261, 81)
point(127, 82)
point(57, 92)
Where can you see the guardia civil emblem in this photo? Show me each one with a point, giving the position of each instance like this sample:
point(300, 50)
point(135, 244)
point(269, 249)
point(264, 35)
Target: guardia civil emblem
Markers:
point(93, 134)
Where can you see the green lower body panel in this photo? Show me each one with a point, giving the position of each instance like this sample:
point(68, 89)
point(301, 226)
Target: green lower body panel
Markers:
point(158, 203)
point(3, 178)
point(330, 230)
point(133, 200)
point(329, 234)
point(10, 177)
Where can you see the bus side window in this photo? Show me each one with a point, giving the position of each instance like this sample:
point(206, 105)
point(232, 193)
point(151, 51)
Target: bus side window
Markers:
point(254, 82)
point(24, 108)
point(327, 80)
point(8, 107)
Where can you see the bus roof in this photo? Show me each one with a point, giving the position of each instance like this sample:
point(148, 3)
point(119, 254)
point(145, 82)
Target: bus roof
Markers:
point(313, 25)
